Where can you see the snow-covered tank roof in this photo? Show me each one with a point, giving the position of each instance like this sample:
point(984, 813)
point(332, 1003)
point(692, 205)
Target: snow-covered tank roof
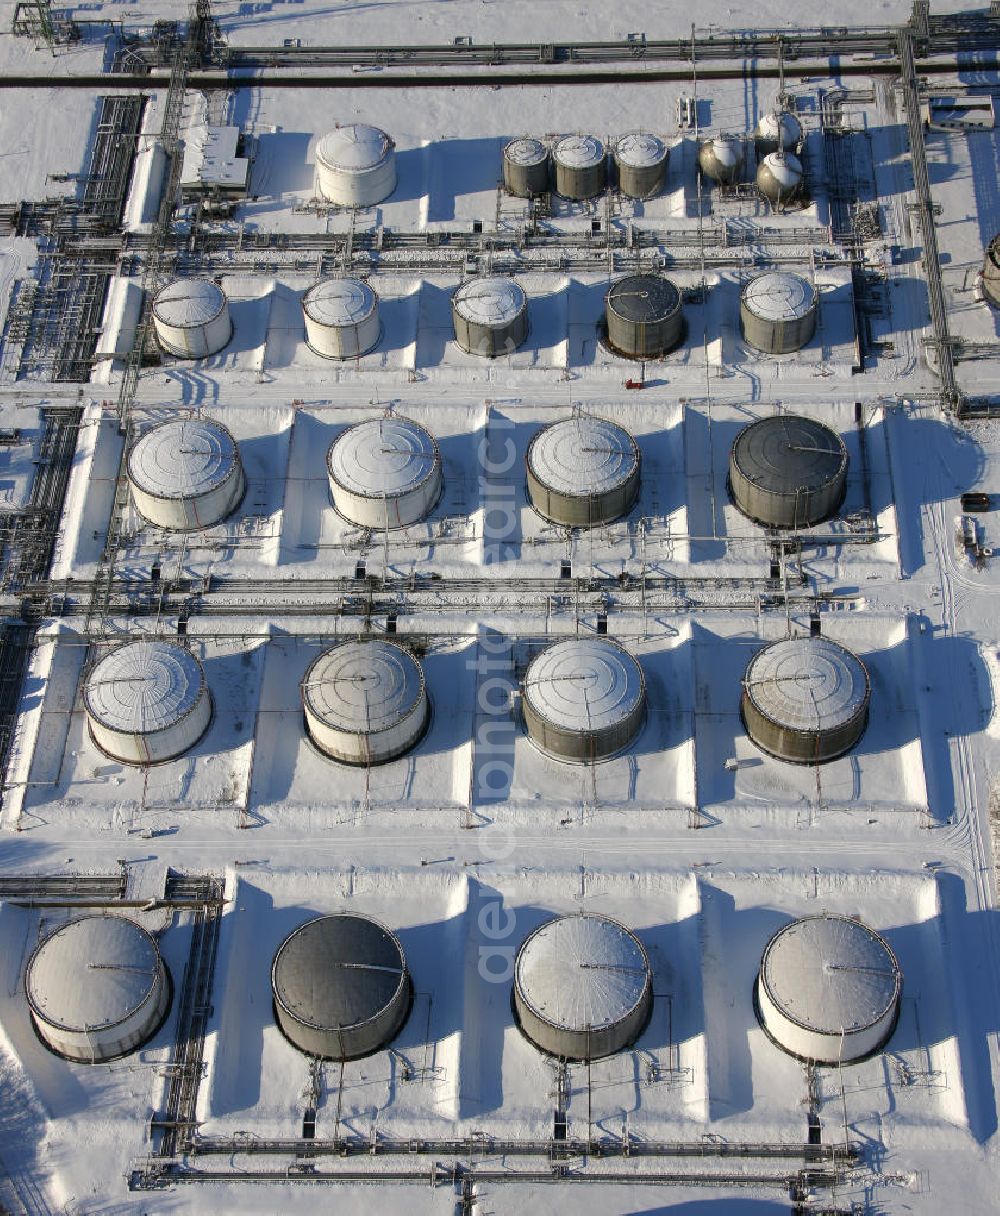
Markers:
point(186, 303)
point(779, 295)
point(383, 457)
point(780, 125)
point(338, 971)
point(784, 168)
point(583, 456)
point(92, 973)
point(582, 972)
point(787, 454)
point(354, 147)
point(363, 686)
point(640, 150)
point(726, 148)
point(143, 687)
point(339, 302)
point(579, 151)
point(644, 298)
point(831, 974)
point(525, 151)
point(807, 684)
point(584, 684)
point(184, 458)
point(492, 301)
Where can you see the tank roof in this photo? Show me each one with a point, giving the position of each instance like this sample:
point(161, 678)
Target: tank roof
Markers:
point(807, 684)
point(787, 453)
point(726, 147)
point(382, 457)
point(579, 151)
point(831, 974)
point(644, 298)
point(583, 456)
point(779, 295)
point(582, 971)
point(640, 149)
point(354, 147)
point(183, 458)
point(784, 168)
point(781, 125)
point(525, 150)
point(339, 301)
point(584, 684)
point(363, 686)
point(92, 973)
point(338, 971)
point(143, 687)
point(186, 303)
point(490, 301)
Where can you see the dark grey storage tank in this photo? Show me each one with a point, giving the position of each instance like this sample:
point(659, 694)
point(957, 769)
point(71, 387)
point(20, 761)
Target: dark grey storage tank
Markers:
point(526, 167)
point(583, 471)
point(341, 986)
point(584, 699)
point(805, 700)
point(788, 471)
point(583, 987)
point(490, 315)
point(644, 317)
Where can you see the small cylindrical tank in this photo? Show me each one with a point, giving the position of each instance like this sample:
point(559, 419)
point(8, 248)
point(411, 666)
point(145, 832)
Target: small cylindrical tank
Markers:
point(186, 474)
point(787, 471)
point(384, 473)
point(490, 316)
point(97, 988)
point(805, 700)
point(778, 312)
point(581, 166)
point(991, 272)
point(341, 318)
point(191, 318)
point(583, 987)
point(777, 131)
point(641, 159)
point(582, 471)
point(526, 167)
point(721, 159)
point(779, 177)
point(356, 165)
point(643, 315)
point(341, 987)
point(365, 702)
point(584, 699)
point(828, 989)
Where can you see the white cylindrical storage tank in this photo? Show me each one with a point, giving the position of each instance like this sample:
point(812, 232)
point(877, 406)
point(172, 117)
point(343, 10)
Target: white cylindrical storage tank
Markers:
point(805, 700)
point(147, 702)
point(490, 316)
point(991, 272)
point(643, 316)
point(584, 699)
point(778, 312)
point(341, 318)
point(384, 473)
point(582, 471)
point(828, 989)
point(191, 318)
point(777, 131)
point(787, 471)
point(526, 167)
point(779, 177)
point(365, 702)
point(580, 166)
point(641, 159)
point(341, 987)
point(356, 165)
point(186, 474)
point(583, 987)
point(721, 159)
point(97, 988)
